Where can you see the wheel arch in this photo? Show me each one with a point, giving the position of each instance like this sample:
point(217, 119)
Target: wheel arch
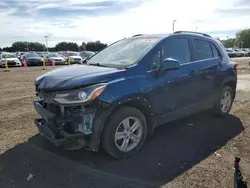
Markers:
point(139, 102)
point(143, 105)
point(231, 83)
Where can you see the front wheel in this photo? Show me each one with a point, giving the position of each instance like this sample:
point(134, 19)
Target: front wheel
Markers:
point(124, 133)
point(224, 101)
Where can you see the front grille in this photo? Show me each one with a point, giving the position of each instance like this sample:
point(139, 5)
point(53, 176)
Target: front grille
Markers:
point(77, 59)
point(11, 62)
point(45, 100)
point(33, 60)
point(51, 107)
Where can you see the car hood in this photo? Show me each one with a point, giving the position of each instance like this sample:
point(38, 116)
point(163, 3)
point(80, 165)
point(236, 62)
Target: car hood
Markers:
point(76, 76)
point(34, 58)
point(75, 57)
point(12, 59)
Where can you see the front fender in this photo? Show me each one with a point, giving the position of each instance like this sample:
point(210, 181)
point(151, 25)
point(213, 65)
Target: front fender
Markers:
point(117, 93)
point(124, 89)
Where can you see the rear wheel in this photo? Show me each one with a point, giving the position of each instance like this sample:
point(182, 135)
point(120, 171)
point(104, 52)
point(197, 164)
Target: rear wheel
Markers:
point(224, 102)
point(124, 133)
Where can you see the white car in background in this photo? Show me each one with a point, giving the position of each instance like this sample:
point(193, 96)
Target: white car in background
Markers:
point(74, 57)
point(12, 60)
point(58, 59)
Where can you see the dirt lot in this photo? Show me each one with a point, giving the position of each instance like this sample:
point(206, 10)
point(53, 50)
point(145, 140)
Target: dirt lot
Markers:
point(197, 151)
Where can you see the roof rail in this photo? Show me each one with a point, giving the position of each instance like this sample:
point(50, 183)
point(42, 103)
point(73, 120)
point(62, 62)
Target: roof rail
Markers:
point(193, 32)
point(137, 35)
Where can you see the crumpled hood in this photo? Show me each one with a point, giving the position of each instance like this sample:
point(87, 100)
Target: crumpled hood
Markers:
point(75, 76)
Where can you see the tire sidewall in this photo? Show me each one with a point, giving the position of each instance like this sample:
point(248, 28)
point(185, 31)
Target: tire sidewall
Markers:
point(110, 128)
point(226, 88)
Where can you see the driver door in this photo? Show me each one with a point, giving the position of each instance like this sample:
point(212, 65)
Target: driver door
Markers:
point(174, 89)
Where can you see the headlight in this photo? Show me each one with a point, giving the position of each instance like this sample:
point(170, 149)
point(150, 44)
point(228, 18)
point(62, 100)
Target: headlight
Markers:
point(79, 96)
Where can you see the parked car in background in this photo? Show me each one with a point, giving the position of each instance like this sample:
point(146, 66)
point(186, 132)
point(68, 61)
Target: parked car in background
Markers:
point(86, 54)
point(42, 54)
point(19, 55)
point(74, 57)
point(248, 54)
point(231, 53)
point(246, 51)
point(59, 59)
point(130, 88)
point(32, 59)
point(239, 53)
point(12, 60)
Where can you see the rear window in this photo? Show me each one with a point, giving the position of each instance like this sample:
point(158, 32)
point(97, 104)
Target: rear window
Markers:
point(202, 49)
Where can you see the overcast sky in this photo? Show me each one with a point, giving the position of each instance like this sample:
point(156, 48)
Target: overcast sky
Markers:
point(111, 20)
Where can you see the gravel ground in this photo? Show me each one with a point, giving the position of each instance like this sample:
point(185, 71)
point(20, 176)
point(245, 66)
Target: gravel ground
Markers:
point(197, 151)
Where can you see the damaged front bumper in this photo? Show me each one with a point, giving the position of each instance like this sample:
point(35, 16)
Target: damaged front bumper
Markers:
point(70, 128)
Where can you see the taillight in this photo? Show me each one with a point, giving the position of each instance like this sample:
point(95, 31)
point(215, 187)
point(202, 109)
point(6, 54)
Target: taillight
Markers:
point(235, 64)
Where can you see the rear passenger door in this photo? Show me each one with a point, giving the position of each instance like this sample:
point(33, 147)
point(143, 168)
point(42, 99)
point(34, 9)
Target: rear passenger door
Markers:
point(207, 60)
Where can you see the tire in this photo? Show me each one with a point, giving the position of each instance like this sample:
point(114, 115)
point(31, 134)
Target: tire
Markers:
point(114, 125)
point(219, 108)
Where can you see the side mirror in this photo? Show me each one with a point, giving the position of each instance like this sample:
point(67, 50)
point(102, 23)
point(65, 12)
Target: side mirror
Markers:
point(170, 64)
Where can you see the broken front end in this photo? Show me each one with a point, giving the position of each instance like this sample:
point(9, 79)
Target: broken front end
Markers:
point(71, 119)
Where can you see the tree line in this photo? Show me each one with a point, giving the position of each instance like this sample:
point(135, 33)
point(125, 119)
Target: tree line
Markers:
point(242, 40)
point(62, 46)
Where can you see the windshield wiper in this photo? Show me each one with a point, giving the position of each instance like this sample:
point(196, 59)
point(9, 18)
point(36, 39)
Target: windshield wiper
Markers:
point(97, 64)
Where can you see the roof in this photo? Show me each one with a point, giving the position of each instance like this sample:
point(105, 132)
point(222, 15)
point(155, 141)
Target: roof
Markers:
point(152, 35)
point(187, 33)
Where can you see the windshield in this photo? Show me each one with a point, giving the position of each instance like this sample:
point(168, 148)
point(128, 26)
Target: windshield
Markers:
point(72, 54)
point(124, 52)
point(54, 55)
point(32, 55)
point(8, 56)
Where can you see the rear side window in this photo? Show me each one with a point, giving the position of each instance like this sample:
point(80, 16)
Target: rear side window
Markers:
point(177, 48)
point(215, 51)
point(202, 49)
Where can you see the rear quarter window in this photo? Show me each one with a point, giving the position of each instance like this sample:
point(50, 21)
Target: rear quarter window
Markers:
point(214, 50)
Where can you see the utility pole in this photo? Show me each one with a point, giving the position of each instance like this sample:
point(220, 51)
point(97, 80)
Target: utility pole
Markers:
point(173, 24)
point(27, 47)
point(46, 38)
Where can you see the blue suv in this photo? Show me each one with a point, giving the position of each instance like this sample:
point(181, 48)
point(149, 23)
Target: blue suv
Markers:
point(134, 85)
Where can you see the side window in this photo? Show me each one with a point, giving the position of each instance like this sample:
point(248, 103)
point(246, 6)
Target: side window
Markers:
point(202, 49)
point(215, 51)
point(177, 48)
